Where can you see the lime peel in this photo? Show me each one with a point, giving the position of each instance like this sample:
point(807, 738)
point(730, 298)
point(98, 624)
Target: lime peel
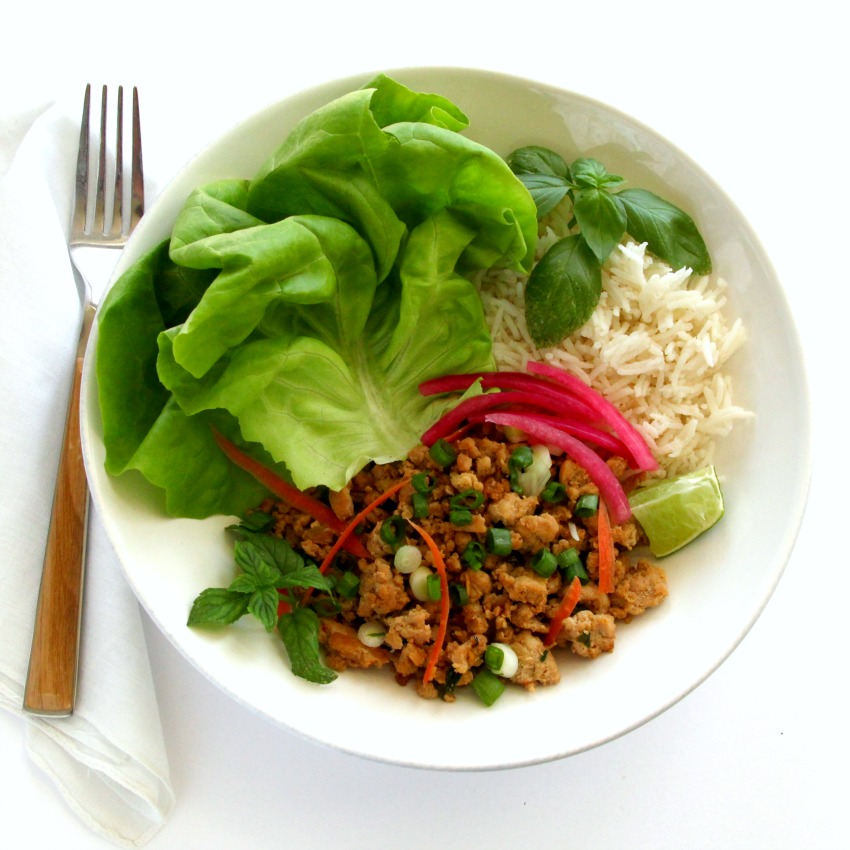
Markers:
point(676, 511)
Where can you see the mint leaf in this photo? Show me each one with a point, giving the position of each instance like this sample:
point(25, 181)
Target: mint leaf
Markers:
point(274, 550)
point(562, 291)
point(254, 562)
point(306, 576)
point(299, 630)
point(670, 233)
point(217, 605)
point(263, 605)
point(601, 218)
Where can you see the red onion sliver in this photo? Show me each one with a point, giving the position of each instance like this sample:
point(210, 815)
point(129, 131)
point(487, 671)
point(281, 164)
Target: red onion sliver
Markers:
point(551, 404)
point(608, 412)
point(600, 473)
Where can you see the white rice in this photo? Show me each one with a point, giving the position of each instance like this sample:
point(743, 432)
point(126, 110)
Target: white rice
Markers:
point(656, 346)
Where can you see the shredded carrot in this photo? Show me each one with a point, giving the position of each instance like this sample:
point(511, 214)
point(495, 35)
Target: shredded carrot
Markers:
point(288, 492)
point(570, 600)
point(606, 550)
point(349, 529)
point(440, 566)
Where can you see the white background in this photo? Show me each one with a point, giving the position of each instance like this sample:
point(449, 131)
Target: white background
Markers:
point(757, 94)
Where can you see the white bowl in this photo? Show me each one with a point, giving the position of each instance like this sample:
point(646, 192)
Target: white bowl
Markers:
point(718, 585)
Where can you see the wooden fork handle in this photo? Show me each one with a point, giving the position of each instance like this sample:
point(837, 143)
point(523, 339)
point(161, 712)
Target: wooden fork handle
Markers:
point(52, 676)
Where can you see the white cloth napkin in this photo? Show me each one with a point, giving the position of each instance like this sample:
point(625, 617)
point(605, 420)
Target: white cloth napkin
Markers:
point(108, 760)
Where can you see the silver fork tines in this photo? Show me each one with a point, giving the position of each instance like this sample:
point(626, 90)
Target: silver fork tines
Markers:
point(100, 231)
point(52, 675)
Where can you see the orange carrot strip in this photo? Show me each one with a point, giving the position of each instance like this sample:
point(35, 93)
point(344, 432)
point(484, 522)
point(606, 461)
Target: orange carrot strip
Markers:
point(349, 529)
point(286, 491)
point(440, 566)
point(606, 550)
point(570, 600)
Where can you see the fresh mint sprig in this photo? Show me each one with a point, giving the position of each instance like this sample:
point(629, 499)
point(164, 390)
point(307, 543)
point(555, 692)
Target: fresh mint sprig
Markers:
point(564, 287)
point(270, 569)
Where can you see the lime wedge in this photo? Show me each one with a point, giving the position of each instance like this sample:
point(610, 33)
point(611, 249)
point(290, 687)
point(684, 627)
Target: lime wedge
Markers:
point(675, 511)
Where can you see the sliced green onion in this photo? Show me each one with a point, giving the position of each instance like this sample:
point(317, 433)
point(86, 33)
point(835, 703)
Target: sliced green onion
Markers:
point(423, 483)
point(420, 504)
point(544, 563)
point(536, 475)
point(347, 585)
point(554, 493)
point(458, 594)
point(501, 659)
point(392, 530)
point(488, 686)
point(470, 499)
point(442, 453)
point(371, 633)
point(473, 555)
point(419, 583)
point(407, 558)
point(586, 505)
point(433, 588)
point(570, 562)
point(460, 516)
point(521, 458)
point(499, 541)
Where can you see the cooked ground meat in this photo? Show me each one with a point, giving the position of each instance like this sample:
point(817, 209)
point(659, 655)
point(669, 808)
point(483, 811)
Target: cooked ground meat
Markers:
point(498, 598)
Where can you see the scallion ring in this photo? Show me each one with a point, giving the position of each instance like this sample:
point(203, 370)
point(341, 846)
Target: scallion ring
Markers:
point(488, 686)
point(423, 483)
point(419, 583)
point(473, 555)
point(554, 493)
point(469, 499)
point(460, 516)
point(544, 563)
point(586, 505)
point(392, 530)
point(420, 505)
point(371, 633)
point(499, 541)
point(442, 453)
point(407, 558)
point(501, 659)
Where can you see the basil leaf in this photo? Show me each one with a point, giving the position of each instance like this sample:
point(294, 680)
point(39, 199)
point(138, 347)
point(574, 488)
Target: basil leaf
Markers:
point(670, 233)
point(590, 173)
point(263, 605)
point(602, 219)
point(562, 291)
point(253, 561)
point(299, 630)
point(546, 191)
point(217, 605)
point(535, 159)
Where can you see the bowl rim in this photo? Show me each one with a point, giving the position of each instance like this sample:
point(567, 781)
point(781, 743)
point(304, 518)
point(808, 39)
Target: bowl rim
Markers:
point(327, 89)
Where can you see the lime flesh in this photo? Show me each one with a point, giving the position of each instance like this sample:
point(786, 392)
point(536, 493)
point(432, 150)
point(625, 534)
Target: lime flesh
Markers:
point(676, 511)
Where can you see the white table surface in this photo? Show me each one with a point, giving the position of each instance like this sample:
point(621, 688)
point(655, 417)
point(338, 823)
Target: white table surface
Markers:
point(754, 92)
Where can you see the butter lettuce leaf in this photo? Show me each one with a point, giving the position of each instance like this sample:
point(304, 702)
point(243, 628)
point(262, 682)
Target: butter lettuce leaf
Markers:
point(298, 312)
point(337, 386)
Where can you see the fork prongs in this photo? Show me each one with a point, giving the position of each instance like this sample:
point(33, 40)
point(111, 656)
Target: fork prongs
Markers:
point(114, 229)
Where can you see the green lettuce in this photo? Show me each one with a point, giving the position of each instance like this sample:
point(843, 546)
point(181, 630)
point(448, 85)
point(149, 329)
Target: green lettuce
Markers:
point(299, 311)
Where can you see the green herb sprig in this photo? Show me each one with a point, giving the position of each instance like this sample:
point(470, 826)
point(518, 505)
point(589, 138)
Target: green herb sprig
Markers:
point(270, 570)
point(564, 287)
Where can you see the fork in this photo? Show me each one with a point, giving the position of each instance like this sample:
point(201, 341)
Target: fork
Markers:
point(51, 684)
